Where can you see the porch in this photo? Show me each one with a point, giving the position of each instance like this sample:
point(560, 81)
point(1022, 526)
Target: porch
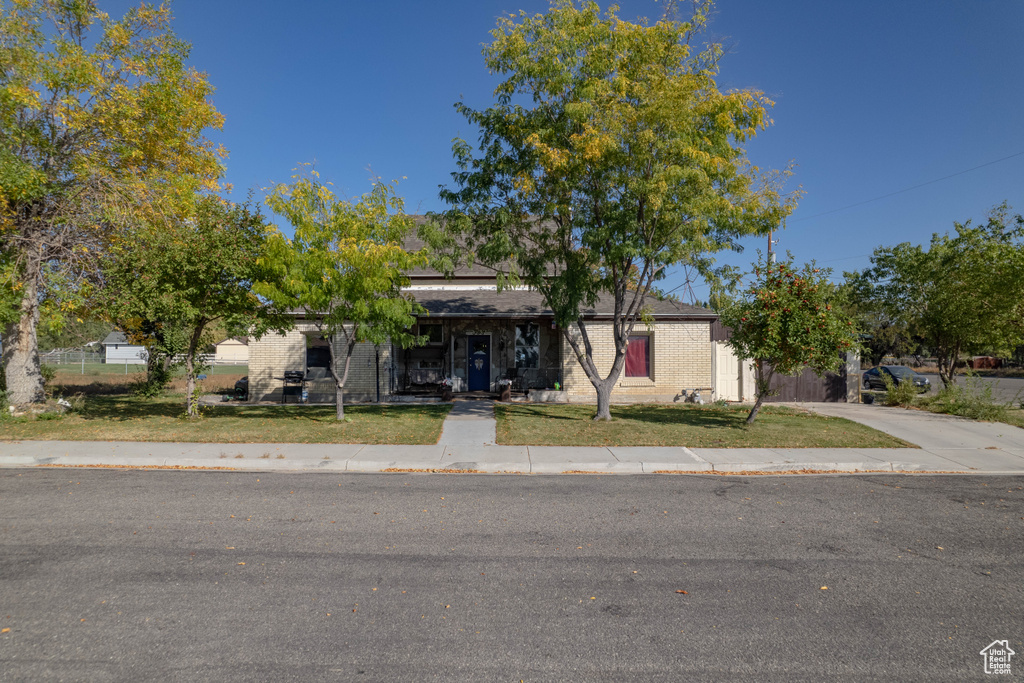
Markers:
point(479, 357)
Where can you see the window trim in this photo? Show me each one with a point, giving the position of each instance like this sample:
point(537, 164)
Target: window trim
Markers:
point(649, 376)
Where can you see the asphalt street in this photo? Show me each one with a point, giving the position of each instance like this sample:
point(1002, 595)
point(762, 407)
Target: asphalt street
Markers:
point(215, 576)
point(1005, 389)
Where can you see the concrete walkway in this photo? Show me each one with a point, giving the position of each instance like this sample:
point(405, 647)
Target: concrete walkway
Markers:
point(469, 423)
point(949, 444)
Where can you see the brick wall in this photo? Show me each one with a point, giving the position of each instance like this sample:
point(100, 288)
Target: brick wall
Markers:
point(272, 355)
point(680, 359)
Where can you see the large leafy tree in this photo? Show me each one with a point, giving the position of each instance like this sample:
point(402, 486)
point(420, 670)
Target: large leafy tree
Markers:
point(882, 333)
point(786, 320)
point(167, 284)
point(72, 333)
point(609, 156)
point(963, 293)
point(101, 123)
point(345, 268)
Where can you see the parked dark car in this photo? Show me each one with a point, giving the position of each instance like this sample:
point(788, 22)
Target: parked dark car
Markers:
point(897, 373)
point(242, 389)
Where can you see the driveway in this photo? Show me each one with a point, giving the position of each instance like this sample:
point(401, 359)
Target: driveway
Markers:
point(930, 431)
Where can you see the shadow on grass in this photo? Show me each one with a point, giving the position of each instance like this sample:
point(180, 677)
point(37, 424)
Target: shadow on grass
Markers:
point(533, 411)
point(93, 389)
point(125, 408)
point(686, 416)
point(711, 417)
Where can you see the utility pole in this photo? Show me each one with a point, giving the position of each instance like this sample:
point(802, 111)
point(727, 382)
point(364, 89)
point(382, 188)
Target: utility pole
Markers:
point(771, 242)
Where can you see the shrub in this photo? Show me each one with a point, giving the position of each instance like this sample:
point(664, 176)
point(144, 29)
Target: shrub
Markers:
point(972, 399)
point(48, 372)
point(158, 376)
point(903, 394)
point(145, 388)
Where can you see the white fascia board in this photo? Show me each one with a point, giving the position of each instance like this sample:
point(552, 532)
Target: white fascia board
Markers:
point(463, 288)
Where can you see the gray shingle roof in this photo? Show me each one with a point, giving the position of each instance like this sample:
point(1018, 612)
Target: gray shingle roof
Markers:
point(457, 303)
point(414, 243)
point(115, 337)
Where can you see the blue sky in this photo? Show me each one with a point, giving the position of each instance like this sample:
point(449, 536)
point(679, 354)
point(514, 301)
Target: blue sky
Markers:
point(872, 97)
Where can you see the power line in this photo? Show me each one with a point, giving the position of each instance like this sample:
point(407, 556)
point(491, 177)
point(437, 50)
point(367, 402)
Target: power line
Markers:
point(906, 189)
point(688, 279)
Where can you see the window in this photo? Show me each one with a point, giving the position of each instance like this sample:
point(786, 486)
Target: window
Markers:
point(430, 365)
point(433, 332)
point(318, 357)
point(318, 354)
point(638, 356)
point(527, 346)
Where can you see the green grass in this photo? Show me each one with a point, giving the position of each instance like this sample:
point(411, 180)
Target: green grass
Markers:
point(1015, 416)
point(682, 425)
point(127, 418)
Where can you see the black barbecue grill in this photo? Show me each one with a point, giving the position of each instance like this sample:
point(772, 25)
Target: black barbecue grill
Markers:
point(293, 381)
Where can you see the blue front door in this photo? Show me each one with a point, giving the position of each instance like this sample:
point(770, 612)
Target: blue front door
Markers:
point(479, 363)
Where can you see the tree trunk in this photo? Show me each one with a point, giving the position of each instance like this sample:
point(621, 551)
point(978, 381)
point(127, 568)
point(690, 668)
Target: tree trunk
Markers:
point(752, 415)
point(762, 388)
point(21, 346)
point(339, 381)
point(947, 366)
point(585, 357)
point(191, 400)
point(604, 399)
point(190, 387)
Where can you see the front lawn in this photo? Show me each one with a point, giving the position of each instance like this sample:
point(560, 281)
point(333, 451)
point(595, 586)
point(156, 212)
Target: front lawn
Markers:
point(682, 425)
point(127, 418)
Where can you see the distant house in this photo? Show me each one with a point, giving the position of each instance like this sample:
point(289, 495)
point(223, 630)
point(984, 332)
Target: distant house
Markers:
point(117, 349)
point(233, 350)
point(985, 363)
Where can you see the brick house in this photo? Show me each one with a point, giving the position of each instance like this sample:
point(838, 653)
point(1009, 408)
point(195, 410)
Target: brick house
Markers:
point(478, 336)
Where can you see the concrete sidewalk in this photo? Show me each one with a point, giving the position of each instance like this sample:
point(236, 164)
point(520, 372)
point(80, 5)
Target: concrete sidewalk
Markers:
point(949, 444)
point(502, 459)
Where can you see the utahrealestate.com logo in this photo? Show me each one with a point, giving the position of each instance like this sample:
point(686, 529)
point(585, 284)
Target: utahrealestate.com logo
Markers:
point(997, 657)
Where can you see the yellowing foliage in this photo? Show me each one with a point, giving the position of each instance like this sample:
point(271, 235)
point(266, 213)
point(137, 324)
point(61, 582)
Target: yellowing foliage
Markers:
point(101, 125)
point(608, 157)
